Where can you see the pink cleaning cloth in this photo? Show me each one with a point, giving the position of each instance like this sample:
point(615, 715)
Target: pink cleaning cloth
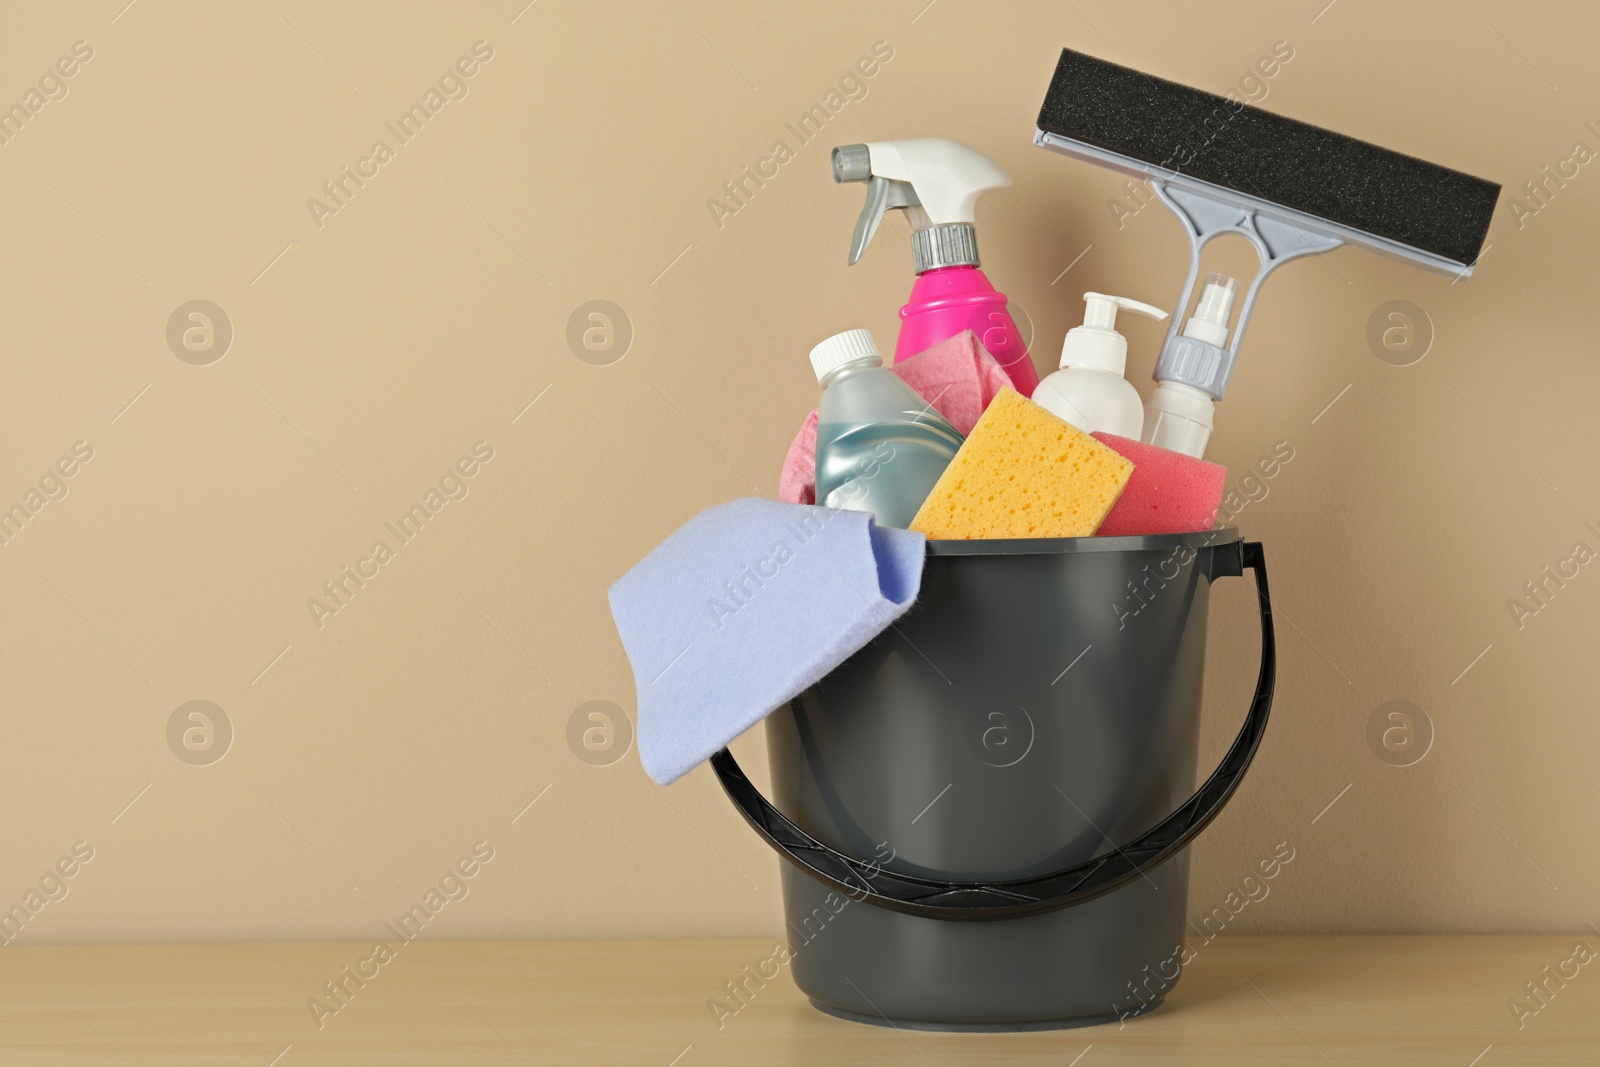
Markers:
point(958, 377)
point(1168, 493)
point(797, 481)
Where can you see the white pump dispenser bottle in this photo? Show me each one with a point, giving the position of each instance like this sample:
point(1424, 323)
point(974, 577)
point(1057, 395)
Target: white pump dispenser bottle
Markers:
point(1089, 390)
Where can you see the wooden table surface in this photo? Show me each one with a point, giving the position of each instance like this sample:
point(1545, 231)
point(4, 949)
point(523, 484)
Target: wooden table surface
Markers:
point(1280, 1000)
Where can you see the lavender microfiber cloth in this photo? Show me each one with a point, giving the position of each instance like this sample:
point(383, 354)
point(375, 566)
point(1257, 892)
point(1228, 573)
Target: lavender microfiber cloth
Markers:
point(744, 608)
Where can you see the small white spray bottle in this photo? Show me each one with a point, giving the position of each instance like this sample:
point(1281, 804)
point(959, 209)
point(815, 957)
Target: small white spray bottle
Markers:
point(1193, 373)
point(1089, 390)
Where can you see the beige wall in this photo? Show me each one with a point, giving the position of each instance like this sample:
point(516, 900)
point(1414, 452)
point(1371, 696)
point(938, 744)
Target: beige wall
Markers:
point(374, 347)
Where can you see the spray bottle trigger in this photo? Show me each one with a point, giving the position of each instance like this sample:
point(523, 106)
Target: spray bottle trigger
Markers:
point(883, 194)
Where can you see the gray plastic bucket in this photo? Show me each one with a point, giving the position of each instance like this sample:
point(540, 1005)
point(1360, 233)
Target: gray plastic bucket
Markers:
point(986, 810)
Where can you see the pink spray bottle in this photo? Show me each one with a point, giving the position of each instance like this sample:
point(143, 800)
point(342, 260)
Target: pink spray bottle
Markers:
point(937, 183)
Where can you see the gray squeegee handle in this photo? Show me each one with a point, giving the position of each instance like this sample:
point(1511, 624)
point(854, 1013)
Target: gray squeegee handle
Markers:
point(1207, 216)
point(932, 898)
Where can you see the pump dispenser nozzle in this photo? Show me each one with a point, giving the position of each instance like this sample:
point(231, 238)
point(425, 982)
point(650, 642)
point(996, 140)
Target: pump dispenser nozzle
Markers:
point(1097, 344)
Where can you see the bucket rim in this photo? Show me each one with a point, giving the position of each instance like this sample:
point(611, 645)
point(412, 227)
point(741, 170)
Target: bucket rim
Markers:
point(1048, 546)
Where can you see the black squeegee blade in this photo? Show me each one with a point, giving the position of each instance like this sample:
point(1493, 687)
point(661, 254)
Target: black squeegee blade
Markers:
point(1294, 164)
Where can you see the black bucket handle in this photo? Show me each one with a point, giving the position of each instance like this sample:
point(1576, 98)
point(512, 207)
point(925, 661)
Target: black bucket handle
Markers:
point(932, 898)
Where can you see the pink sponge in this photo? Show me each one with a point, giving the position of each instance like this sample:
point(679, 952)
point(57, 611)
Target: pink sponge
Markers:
point(1168, 493)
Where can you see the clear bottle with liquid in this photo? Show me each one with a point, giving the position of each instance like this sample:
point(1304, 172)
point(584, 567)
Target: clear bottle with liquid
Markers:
point(880, 446)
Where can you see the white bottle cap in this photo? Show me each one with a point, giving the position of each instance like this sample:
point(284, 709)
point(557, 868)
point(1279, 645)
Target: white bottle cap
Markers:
point(1209, 322)
point(843, 348)
point(1096, 344)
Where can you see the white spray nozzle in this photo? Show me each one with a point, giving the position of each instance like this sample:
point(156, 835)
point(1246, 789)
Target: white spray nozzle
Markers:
point(1209, 322)
point(1097, 343)
point(947, 176)
point(936, 181)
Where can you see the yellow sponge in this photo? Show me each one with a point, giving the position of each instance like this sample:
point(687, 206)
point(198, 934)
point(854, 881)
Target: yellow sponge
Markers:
point(1023, 472)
